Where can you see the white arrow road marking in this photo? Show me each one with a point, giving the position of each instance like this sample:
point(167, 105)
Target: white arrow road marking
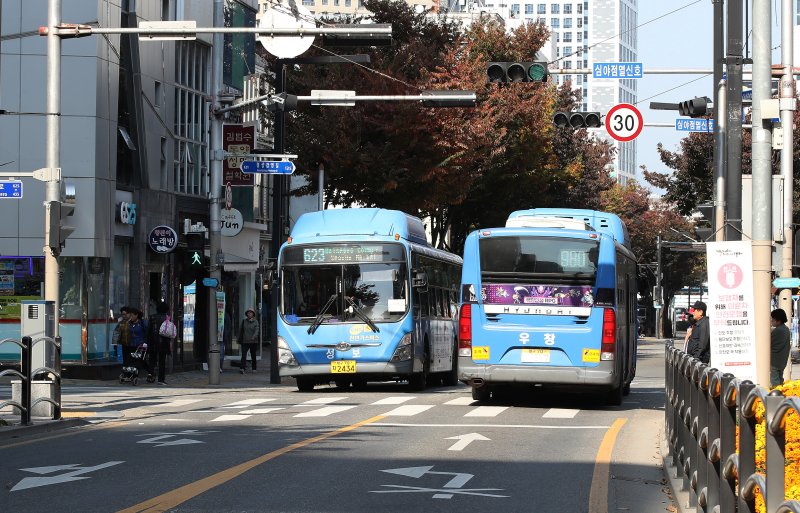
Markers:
point(158, 439)
point(464, 440)
point(450, 488)
point(33, 482)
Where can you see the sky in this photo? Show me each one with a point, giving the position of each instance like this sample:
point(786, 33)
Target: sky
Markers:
point(683, 39)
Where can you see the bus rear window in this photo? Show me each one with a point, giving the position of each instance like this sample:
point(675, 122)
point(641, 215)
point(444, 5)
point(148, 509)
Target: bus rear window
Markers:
point(539, 255)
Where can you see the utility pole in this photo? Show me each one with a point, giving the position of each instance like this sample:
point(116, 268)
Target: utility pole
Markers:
point(762, 186)
point(733, 183)
point(214, 230)
point(658, 294)
point(53, 151)
point(787, 108)
point(719, 120)
point(278, 184)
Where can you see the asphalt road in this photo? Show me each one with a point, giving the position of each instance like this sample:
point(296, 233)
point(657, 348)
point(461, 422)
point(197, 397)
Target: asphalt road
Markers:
point(273, 448)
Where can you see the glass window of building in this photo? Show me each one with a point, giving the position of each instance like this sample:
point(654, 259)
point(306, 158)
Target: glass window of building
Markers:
point(348, 3)
point(308, 2)
point(567, 64)
point(190, 159)
point(555, 23)
point(567, 8)
point(567, 50)
point(567, 22)
point(580, 79)
point(528, 8)
point(567, 37)
point(541, 8)
point(580, 22)
point(579, 9)
point(514, 10)
point(555, 8)
point(579, 37)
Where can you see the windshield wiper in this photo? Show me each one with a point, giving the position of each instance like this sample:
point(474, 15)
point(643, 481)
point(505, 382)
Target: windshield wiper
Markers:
point(318, 318)
point(360, 315)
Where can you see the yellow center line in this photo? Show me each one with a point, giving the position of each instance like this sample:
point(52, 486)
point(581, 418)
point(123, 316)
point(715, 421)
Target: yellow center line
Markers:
point(180, 495)
point(598, 493)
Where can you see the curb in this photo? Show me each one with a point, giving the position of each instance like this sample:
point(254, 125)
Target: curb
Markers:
point(17, 431)
point(682, 497)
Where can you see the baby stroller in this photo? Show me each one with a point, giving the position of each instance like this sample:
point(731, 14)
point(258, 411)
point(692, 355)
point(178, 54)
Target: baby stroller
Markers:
point(130, 374)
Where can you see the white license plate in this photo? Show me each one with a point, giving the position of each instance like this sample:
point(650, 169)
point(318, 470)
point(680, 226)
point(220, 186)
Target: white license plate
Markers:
point(535, 356)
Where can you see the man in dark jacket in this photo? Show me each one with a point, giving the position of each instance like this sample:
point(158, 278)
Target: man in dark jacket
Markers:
point(781, 345)
point(158, 345)
point(699, 344)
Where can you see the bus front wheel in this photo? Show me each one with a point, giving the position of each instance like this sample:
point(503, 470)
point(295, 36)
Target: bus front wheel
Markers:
point(419, 380)
point(305, 384)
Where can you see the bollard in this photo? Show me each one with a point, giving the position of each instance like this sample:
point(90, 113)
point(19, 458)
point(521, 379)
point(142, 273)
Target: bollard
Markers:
point(25, 393)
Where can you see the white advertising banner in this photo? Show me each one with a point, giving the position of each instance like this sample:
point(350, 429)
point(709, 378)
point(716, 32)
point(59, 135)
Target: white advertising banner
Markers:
point(730, 308)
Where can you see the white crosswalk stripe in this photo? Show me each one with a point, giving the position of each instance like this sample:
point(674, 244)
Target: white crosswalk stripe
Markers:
point(326, 411)
point(246, 403)
point(460, 401)
point(223, 418)
point(394, 400)
point(560, 413)
point(259, 411)
point(408, 410)
point(320, 400)
point(487, 411)
point(177, 402)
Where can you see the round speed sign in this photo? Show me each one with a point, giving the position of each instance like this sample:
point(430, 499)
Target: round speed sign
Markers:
point(624, 122)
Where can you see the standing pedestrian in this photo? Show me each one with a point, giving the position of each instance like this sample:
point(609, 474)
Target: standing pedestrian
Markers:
point(138, 333)
point(780, 344)
point(158, 343)
point(248, 338)
point(122, 334)
point(699, 343)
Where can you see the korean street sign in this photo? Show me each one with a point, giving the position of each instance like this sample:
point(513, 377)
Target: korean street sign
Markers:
point(694, 125)
point(617, 70)
point(237, 141)
point(11, 189)
point(270, 167)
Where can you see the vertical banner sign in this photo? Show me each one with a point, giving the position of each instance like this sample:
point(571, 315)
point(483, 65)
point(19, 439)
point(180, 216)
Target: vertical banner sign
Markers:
point(237, 140)
point(220, 315)
point(730, 308)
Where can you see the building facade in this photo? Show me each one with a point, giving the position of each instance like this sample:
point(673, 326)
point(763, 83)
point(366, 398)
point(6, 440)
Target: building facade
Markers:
point(135, 143)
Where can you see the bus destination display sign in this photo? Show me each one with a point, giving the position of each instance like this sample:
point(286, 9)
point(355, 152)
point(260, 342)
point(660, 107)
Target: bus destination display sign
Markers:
point(342, 254)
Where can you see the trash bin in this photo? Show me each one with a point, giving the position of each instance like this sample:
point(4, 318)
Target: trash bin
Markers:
point(39, 388)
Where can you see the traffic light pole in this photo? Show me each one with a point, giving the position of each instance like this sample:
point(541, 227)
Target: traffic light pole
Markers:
point(214, 234)
point(53, 155)
point(787, 108)
point(278, 184)
point(733, 182)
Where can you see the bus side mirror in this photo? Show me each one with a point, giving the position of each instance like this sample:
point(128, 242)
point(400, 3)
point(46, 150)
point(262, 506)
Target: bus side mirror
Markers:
point(419, 280)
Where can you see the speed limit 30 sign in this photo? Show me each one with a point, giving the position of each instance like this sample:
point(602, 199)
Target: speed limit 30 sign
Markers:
point(624, 122)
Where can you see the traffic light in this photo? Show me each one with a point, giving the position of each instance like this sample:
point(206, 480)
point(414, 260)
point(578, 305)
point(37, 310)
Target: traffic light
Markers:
point(577, 119)
point(195, 245)
point(695, 108)
point(59, 214)
point(529, 71)
point(704, 224)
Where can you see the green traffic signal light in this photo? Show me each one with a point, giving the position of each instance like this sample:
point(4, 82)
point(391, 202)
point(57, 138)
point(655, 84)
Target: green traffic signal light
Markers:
point(512, 72)
point(537, 72)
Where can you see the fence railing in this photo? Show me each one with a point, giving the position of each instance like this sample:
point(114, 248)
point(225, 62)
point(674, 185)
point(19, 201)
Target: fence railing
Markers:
point(703, 409)
point(26, 374)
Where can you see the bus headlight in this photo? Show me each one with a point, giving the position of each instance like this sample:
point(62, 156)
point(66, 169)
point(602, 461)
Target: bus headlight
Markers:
point(405, 349)
point(285, 355)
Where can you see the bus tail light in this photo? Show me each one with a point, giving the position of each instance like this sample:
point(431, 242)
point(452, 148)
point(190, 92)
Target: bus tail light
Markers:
point(465, 330)
point(609, 341)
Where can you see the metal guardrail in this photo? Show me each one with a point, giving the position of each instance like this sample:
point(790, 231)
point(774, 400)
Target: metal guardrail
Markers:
point(26, 373)
point(703, 408)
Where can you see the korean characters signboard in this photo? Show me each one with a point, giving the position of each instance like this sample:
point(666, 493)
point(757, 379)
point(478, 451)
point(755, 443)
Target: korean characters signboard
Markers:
point(237, 140)
point(730, 308)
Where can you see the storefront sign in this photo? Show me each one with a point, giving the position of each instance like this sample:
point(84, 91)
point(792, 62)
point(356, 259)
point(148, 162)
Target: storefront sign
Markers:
point(126, 213)
point(730, 307)
point(237, 140)
point(163, 239)
point(231, 222)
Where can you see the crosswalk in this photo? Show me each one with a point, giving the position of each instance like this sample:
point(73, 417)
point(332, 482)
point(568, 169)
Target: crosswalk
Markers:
point(394, 406)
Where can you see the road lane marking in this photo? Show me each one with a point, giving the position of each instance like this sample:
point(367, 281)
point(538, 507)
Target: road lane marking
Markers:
point(598, 493)
point(408, 410)
point(246, 403)
point(259, 411)
point(320, 400)
point(461, 401)
point(514, 426)
point(324, 412)
point(225, 418)
point(177, 402)
point(560, 413)
point(169, 500)
point(393, 400)
point(486, 411)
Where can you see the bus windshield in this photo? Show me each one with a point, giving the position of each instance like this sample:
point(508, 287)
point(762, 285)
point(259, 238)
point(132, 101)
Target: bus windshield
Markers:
point(375, 290)
point(534, 260)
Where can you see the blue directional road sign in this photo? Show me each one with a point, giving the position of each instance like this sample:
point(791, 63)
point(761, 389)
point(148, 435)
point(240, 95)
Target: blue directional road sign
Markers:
point(694, 125)
point(210, 282)
point(617, 70)
point(786, 283)
point(268, 167)
point(11, 189)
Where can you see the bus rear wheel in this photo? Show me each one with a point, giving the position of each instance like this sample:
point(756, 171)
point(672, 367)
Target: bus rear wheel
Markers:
point(305, 384)
point(450, 378)
point(614, 396)
point(481, 393)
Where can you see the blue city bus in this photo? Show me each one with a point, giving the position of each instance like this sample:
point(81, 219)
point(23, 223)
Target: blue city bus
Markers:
point(365, 297)
point(550, 300)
